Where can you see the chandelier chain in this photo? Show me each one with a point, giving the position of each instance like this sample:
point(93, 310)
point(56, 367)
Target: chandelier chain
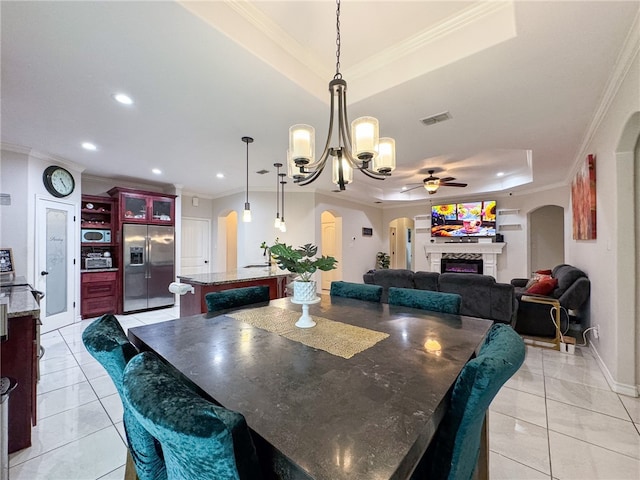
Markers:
point(338, 74)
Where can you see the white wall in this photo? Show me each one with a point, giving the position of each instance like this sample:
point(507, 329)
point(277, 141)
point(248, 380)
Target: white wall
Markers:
point(13, 218)
point(609, 260)
point(358, 251)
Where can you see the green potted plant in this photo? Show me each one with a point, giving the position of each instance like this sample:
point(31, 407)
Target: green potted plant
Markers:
point(301, 261)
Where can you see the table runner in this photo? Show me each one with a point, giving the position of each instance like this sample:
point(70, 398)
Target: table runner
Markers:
point(336, 338)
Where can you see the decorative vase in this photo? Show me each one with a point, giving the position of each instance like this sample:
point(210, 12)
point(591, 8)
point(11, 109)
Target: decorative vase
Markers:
point(304, 291)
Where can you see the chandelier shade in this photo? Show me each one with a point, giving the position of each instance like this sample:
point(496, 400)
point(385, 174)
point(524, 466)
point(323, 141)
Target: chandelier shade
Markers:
point(358, 145)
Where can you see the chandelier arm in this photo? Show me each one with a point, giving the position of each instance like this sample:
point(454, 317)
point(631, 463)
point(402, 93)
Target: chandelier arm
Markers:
point(342, 109)
point(311, 178)
point(340, 170)
point(371, 174)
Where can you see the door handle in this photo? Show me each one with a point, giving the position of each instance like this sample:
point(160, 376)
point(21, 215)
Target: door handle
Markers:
point(43, 273)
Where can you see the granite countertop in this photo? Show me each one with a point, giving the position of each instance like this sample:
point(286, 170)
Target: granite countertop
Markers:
point(20, 301)
point(250, 273)
point(93, 270)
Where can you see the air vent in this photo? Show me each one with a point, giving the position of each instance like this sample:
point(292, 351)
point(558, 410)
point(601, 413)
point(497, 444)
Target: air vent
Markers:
point(262, 172)
point(440, 117)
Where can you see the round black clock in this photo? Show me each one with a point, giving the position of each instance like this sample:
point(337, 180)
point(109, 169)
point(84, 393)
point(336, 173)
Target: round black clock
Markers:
point(58, 181)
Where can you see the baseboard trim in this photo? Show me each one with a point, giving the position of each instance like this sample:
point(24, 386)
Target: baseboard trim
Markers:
point(617, 387)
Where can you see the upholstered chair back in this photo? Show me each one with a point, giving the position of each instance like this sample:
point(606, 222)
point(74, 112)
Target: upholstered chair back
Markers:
point(425, 300)
point(360, 291)
point(106, 341)
point(200, 440)
point(453, 453)
point(235, 298)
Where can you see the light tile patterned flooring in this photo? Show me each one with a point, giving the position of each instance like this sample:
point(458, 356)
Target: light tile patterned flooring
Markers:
point(555, 419)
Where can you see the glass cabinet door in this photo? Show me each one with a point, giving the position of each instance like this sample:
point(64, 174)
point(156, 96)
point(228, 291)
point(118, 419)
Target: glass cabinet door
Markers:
point(162, 209)
point(134, 207)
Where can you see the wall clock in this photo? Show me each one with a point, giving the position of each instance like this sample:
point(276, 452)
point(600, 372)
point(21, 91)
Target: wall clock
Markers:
point(58, 181)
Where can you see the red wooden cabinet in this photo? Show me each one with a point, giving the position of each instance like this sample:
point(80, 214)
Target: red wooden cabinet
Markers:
point(99, 293)
point(136, 206)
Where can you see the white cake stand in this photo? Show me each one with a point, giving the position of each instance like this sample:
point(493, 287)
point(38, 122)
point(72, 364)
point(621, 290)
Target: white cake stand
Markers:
point(305, 321)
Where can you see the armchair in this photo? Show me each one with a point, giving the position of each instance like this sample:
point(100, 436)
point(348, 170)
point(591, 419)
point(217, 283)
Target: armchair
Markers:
point(572, 293)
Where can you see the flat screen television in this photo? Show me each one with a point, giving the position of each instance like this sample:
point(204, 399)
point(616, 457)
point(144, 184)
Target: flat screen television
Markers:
point(469, 219)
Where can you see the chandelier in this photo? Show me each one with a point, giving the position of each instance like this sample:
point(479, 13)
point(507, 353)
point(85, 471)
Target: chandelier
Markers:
point(358, 147)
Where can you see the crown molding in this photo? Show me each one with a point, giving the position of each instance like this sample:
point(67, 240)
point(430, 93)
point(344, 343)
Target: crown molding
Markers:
point(627, 56)
point(42, 156)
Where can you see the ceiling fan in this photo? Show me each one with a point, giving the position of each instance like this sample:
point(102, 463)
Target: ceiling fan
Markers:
point(431, 183)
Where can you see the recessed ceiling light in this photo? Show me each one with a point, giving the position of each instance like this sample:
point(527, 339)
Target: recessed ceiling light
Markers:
point(89, 146)
point(220, 175)
point(404, 188)
point(500, 174)
point(123, 99)
point(157, 171)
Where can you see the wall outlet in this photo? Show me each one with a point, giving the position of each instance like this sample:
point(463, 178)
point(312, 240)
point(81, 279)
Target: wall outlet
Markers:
point(596, 331)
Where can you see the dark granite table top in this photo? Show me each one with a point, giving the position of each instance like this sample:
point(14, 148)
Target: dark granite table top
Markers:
point(322, 416)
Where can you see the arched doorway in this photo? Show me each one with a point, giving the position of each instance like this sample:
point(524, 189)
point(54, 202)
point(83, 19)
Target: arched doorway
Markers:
point(546, 237)
point(331, 245)
point(401, 233)
point(227, 254)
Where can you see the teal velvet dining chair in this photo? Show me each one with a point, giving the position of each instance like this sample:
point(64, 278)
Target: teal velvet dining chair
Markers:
point(200, 440)
point(106, 341)
point(360, 291)
point(236, 298)
point(425, 300)
point(454, 451)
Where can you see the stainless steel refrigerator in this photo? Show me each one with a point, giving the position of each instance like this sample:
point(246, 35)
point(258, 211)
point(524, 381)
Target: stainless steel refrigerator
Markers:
point(149, 258)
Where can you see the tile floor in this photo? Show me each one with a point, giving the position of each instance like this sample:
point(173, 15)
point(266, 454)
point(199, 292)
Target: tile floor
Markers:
point(555, 419)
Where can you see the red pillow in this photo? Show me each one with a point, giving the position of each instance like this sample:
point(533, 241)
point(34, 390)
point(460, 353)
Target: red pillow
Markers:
point(543, 272)
point(544, 286)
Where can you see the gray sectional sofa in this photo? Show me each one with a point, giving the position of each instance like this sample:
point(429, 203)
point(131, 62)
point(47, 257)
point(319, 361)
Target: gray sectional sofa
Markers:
point(481, 295)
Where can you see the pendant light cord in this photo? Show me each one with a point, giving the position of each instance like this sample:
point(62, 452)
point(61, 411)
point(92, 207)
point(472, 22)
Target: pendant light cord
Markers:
point(338, 74)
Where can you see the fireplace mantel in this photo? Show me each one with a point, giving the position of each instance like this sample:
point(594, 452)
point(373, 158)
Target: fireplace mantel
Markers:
point(489, 252)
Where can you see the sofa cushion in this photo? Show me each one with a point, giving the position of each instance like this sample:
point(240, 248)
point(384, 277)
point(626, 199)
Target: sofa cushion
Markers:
point(426, 281)
point(481, 295)
point(566, 275)
point(392, 277)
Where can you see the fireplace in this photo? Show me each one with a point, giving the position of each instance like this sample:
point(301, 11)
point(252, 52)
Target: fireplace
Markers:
point(461, 263)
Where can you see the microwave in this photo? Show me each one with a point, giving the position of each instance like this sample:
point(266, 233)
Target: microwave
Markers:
point(96, 236)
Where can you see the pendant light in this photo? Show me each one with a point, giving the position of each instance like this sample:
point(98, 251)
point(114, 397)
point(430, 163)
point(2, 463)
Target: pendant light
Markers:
point(277, 222)
point(283, 226)
point(246, 214)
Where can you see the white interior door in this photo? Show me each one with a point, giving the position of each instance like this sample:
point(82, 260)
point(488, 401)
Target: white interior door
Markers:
point(55, 247)
point(196, 246)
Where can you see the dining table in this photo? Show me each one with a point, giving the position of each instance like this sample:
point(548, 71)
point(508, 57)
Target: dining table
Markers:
point(358, 396)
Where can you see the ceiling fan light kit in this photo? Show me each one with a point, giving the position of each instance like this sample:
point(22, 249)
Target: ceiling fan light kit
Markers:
point(359, 147)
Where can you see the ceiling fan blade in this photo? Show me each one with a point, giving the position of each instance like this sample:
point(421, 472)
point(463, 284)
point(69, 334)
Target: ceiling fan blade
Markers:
point(412, 188)
point(446, 179)
point(452, 184)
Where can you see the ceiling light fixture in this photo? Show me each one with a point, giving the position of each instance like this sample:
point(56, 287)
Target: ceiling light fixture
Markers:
point(89, 146)
point(219, 175)
point(246, 214)
point(276, 222)
point(157, 171)
point(431, 185)
point(283, 226)
point(123, 99)
point(358, 147)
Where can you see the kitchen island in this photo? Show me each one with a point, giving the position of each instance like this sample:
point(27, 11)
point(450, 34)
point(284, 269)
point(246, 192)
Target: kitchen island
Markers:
point(203, 283)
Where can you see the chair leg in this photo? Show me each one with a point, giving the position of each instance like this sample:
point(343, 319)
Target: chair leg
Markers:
point(482, 468)
point(130, 468)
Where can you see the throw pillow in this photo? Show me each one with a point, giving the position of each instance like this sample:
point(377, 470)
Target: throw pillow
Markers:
point(543, 272)
point(544, 286)
point(532, 281)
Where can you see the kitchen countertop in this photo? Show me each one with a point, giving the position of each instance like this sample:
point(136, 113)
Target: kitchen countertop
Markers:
point(242, 274)
point(20, 301)
point(93, 270)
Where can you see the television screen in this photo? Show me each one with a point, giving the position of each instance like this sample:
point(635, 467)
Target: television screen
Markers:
point(472, 219)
